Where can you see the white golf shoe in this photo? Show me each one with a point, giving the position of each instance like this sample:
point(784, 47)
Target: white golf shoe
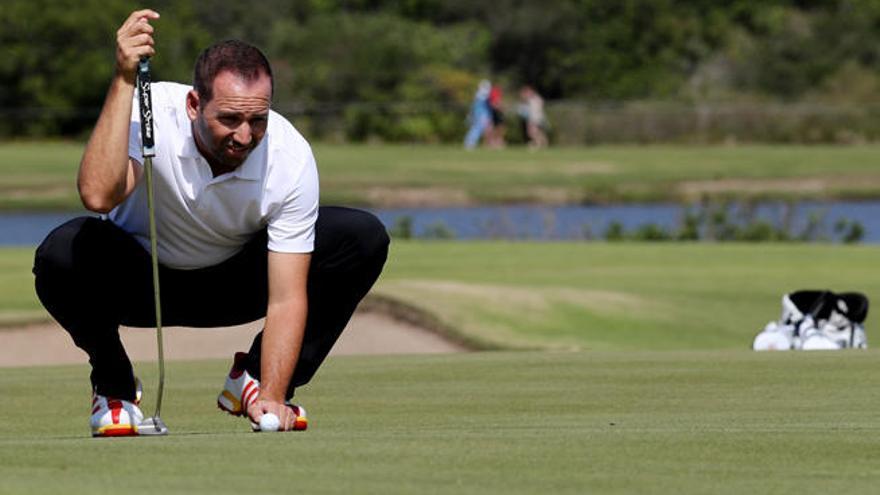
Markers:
point(241, 390)
point(116, 417)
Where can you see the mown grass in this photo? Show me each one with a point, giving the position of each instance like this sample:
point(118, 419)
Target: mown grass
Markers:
point(42, 174)
point(530, 422)
point(18, 301)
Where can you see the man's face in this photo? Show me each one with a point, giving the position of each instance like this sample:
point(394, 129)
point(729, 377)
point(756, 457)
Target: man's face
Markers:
point(229, 126)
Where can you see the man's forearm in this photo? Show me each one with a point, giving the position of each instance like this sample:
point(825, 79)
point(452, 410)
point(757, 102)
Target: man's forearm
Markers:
point(282, 342)
point(105, 177)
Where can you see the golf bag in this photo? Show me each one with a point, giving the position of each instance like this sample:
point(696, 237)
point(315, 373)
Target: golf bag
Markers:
point(817, 320)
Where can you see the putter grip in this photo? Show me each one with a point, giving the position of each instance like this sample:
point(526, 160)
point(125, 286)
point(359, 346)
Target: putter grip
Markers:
point(145, 99)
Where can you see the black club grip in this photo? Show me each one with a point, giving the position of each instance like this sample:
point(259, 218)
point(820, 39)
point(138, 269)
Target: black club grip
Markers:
point(145, 98)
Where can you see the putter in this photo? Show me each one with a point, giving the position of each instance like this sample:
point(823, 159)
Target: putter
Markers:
point(153, 425)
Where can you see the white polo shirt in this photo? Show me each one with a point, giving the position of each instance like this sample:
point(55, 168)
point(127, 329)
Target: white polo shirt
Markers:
point(202, 220)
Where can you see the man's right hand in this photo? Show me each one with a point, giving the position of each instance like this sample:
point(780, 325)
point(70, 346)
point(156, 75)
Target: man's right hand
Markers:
point(107, 175)
point(285, 413)
point(134, 40)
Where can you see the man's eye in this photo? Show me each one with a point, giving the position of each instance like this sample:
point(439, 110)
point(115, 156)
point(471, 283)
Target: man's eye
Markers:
point(228, 120)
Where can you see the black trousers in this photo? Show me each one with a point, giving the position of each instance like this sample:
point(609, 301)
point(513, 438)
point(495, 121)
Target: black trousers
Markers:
point(92, 276)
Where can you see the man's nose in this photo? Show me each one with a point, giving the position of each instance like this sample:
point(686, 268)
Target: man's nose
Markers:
point(243, 134)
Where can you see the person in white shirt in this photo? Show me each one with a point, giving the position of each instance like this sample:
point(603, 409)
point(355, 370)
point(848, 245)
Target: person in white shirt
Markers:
point(534, 120)
point(241, 235)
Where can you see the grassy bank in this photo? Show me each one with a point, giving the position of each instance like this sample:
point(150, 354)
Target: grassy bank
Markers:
point(584, 295)
point(693, 422)
point(42, 175)
point(18, 301)
point(617, 296)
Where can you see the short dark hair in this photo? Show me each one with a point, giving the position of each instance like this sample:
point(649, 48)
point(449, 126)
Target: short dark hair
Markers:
point(238, 57)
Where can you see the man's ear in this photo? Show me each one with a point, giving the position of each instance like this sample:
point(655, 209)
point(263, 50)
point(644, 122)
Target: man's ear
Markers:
point(192, 105)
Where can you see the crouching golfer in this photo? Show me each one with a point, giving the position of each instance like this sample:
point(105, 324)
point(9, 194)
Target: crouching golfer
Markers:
point(240, 232)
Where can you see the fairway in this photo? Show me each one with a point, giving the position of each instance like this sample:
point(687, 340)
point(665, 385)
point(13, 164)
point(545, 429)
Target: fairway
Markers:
point(42, 175)
point(623, 296)
point(638, 422)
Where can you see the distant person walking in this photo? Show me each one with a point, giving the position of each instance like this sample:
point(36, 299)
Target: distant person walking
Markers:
point(531, 111)
point(480, 116)
point(495, 134)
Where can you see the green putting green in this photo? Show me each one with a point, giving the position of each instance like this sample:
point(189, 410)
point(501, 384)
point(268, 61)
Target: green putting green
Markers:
point(505, 422)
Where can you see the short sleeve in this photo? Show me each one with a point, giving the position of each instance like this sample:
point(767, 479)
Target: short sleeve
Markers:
point(292, 228)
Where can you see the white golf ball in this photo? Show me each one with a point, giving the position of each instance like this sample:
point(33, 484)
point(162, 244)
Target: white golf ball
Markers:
point(269, 422)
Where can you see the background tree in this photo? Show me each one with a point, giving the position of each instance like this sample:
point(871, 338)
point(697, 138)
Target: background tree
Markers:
point(406, 69)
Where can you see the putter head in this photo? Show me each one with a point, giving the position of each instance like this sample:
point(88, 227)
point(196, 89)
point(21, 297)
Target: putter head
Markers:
point(152, 426)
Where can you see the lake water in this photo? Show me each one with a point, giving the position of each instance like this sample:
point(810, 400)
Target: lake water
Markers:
point(591, 222)
point(528, 222)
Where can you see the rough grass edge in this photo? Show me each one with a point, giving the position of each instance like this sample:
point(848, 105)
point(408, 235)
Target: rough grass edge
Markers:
point(412, 315)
